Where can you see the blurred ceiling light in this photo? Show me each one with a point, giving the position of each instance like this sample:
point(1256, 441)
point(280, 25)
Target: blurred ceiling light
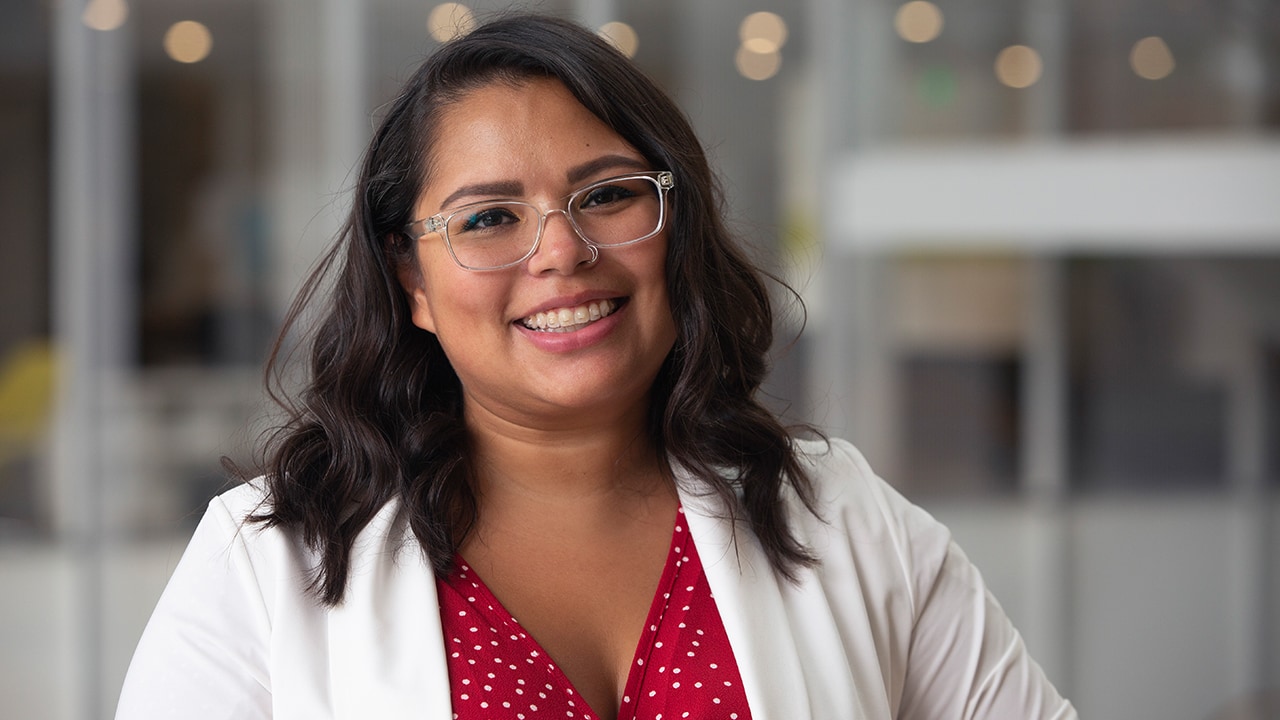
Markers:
point(918, 21)
point(763, 33)
point(623, 37)
point(1018, 66)
point(188, 41)
point(1151, 58)
point(448, 21)
point(105, 14)
point(757, 66)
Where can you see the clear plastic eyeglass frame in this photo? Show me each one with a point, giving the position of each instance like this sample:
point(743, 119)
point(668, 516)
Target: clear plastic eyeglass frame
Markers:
point(439, 223)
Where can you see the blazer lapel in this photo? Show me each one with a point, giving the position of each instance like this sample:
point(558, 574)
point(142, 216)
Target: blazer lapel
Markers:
point(386, 643)
point(749, 598)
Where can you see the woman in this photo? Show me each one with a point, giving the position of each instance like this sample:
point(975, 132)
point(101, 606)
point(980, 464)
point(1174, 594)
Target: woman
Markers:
point(531, 396)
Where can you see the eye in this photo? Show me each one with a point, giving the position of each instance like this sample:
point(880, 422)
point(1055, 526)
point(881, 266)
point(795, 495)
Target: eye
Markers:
point(485, 218)
point(605, 195)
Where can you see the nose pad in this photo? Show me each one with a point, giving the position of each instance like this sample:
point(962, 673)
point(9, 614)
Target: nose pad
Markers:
point(551, 252)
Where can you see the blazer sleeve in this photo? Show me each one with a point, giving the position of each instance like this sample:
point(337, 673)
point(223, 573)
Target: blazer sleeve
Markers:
point(204, 654)
point(965, 659)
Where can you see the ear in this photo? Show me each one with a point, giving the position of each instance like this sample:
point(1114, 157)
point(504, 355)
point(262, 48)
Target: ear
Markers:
point(420, 308)
point(409, 274)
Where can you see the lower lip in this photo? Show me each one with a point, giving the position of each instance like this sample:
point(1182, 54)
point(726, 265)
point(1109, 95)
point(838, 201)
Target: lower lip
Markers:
point(563, 342)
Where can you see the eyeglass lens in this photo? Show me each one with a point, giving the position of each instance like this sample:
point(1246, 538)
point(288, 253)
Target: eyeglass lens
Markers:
point(613, 212)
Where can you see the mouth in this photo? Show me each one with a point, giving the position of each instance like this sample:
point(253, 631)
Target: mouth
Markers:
point(569, 319)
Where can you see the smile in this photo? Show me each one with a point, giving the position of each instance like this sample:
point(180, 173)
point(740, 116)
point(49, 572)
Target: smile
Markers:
point(569, 319)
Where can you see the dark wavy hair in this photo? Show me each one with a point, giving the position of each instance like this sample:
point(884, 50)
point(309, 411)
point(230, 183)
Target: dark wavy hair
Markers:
point(380, 414)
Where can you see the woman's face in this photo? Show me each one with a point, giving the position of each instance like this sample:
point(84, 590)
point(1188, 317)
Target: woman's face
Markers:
point(534, 142)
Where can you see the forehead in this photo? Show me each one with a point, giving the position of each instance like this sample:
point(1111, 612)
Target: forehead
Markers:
point(521, 125)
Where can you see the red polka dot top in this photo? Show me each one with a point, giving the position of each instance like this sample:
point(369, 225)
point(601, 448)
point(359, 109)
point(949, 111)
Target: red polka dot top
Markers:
point(683, 667)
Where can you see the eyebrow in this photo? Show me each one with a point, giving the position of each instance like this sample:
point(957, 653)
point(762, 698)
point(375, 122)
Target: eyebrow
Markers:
point(514, 189)
point(578, 173)
point(502, 188)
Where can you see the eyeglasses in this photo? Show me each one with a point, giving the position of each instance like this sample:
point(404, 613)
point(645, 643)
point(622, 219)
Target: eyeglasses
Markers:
point(497, 234)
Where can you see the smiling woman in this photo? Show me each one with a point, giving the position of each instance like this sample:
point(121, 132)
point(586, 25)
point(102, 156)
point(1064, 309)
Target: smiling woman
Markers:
point(532, 394)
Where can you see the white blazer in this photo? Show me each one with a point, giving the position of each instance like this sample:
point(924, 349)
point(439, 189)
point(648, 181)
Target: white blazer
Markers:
point(894, 623)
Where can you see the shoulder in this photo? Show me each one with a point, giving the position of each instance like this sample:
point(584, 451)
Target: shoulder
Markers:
point(861, 513)
point(844, 484)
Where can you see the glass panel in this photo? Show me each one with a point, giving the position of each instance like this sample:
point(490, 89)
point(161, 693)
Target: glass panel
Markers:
point(1162, 352)
point(959, 324)
point(26, 360)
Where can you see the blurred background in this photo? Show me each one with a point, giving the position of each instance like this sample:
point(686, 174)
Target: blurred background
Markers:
point(1038, 242)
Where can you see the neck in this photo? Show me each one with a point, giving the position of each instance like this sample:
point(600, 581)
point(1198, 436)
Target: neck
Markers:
point(596, 462)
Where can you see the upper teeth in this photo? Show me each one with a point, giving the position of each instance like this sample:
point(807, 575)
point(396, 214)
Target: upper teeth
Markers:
point(570, 318)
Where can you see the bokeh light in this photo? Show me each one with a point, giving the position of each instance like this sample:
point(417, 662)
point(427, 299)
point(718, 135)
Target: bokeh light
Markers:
point(450, 20)
point(1151, 58)
point(757, 66)
point(918, 21)
point(105, 14)
point(188, 41)
point(1018, 66)
point(623, 37)
point(763, 33)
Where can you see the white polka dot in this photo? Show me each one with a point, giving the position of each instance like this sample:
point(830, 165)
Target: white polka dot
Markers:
point(715, 700)
point(657, 644)
point(675, 684)
point(675, 670)
point(464, 696)
point(713, 666)
point(626, 698)
point(697, 685)
point(652, 693)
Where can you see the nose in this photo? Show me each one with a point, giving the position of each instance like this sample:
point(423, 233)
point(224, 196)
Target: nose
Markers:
point(561, 249)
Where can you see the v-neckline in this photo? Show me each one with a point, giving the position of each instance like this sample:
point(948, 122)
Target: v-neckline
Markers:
point(497, 614)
